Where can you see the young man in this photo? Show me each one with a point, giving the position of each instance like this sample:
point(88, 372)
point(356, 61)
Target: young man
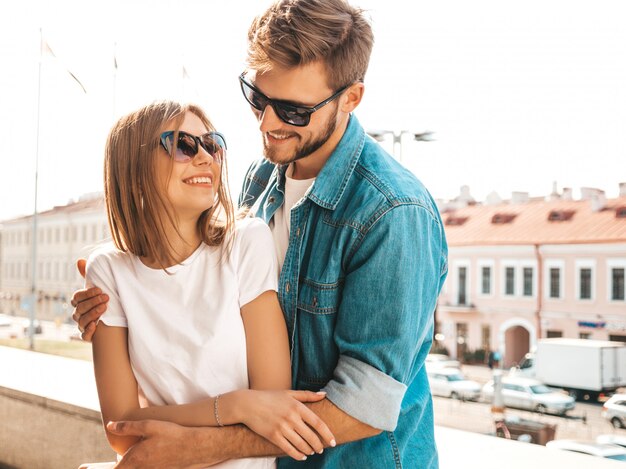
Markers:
point(361, 246)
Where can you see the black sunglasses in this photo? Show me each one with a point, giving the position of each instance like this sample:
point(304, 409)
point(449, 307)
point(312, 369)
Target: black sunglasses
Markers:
point(187, 145)
point(290, 113)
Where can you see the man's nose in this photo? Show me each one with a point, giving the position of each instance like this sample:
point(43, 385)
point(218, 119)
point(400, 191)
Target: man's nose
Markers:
point(268, 120)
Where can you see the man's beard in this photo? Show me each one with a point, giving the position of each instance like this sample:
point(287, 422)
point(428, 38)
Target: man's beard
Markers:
point(308, 147)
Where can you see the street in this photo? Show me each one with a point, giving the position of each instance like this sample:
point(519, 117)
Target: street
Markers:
point(14, 327)
point(583, 422)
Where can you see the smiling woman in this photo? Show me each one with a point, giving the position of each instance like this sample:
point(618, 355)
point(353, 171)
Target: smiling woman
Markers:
point(193, 333)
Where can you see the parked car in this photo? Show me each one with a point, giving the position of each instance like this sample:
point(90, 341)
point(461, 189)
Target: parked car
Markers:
point(450, 382)
point(530, 394)
point(614, 410)
point(439, 360)
point(618, 440)
point(26, 326)
point(5, 321)
point(589, 447)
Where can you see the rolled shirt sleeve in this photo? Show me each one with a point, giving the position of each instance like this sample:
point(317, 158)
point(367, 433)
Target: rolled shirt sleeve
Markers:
point(385, 321)
point(358, 388)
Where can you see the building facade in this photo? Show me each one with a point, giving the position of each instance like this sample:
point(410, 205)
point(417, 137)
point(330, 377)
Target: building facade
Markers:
point(533, 268)
point(64, 234)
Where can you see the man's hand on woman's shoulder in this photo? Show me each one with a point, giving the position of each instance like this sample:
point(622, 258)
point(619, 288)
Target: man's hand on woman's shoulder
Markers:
point(89, 304)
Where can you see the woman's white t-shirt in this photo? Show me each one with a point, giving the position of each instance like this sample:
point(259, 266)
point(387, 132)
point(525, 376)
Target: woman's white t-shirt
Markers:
point(186, 338)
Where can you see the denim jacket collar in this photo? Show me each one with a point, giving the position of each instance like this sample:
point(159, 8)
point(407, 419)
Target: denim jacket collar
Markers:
point(333, 178)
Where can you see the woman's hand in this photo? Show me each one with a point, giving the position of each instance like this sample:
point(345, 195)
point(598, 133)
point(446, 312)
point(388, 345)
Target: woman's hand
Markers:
point(282, 418)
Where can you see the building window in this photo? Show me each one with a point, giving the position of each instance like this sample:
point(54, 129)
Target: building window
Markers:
point(617, 338)
point(617, 285)
point(462, 297)
point(555, 283)
point(486, 281)
point(528, 281)
point(509, 281)
point(585, 284)
point(584, 335)
point(554, 334)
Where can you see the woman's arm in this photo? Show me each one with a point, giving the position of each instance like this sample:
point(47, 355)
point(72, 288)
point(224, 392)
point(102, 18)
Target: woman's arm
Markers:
point(117, 386)
point(269, 365)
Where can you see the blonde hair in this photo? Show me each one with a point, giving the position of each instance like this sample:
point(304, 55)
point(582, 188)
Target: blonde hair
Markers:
point(298, 32)
point(138, 209)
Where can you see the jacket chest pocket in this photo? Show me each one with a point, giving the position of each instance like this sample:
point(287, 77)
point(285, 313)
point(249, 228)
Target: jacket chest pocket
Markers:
point(318, 298)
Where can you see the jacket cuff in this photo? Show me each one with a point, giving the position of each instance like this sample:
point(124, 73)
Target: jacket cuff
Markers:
point(365, 393)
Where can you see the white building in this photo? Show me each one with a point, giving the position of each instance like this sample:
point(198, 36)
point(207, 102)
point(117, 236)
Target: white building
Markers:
point(64, 234)
point(534, 268)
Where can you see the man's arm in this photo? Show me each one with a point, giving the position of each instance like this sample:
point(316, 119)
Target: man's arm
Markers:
point(171, 446)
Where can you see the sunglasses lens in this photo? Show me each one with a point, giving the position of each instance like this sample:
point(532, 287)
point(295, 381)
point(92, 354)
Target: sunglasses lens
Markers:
point(256, 100)
point(214, 145)
point(292, 114)
point(186, 148)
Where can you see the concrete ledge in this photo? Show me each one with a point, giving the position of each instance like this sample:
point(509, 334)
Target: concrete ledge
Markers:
point(41, 433)
point(49, 412)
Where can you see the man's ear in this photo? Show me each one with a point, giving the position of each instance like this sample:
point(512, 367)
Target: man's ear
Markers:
point(352, 97)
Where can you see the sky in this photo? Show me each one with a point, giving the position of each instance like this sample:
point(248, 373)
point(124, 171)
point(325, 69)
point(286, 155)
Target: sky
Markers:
point(518, 95)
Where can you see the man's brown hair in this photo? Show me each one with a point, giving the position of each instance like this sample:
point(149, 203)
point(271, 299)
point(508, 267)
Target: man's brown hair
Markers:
point(298, 32)
point(137, 207)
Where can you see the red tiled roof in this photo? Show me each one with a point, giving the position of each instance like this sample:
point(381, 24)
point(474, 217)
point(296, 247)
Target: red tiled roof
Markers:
point(530, 223)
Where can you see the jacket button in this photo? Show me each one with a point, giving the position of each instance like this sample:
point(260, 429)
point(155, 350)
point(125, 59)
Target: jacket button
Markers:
point(298, 232)
point(271, 200)
point(287, 287)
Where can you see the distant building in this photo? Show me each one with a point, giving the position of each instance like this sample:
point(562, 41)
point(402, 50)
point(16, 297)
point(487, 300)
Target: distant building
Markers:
point(64, 234)
point(533, 268)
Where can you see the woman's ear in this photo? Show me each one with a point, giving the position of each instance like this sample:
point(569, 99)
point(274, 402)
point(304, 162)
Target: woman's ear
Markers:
point(352, 97)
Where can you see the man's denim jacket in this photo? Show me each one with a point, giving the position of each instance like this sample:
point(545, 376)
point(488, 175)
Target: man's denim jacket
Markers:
point(366, 260)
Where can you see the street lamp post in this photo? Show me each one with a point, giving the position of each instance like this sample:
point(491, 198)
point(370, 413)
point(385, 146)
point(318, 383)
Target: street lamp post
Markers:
point(380, 136)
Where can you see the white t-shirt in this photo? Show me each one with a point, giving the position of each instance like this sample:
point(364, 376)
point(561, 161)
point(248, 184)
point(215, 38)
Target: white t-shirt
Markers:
point(280, 224)
point(186, 338)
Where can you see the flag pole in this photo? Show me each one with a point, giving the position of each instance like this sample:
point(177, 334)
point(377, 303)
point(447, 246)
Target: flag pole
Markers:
point(33, 289)
point(114, 79)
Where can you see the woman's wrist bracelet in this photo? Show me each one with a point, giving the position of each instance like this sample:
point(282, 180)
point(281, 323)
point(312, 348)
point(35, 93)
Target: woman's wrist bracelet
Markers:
point(215, 412)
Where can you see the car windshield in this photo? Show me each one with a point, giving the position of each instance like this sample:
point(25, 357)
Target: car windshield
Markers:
point(457, 377)
point(540, 389)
